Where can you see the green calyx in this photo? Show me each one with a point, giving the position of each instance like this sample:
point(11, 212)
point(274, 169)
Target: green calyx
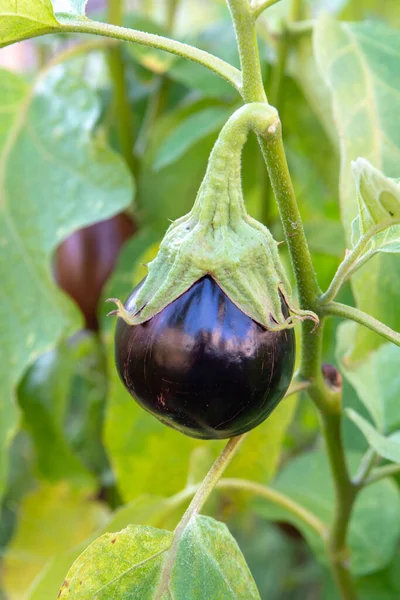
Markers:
point(218, 238)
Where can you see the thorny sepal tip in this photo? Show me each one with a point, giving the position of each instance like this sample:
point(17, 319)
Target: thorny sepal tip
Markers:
point(218, 238)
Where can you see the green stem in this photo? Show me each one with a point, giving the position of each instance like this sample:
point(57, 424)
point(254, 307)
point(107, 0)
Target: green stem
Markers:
point(218, 66)
point(345, 495)
point(327, 401)
point(123, 112)
point(263, 491)
point(366, 465)
point(202, 493)
point(259, 7)
point(245, 27)
point(349, 312)
point(381, 473)
point(275, 158)
point(172, 8)
point(354, 260)
point(115, 12)
point(298, 511)
point(274, 95)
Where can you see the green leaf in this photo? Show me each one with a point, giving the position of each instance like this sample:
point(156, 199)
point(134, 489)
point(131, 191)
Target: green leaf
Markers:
point(379, 204)
point(128, 565)
point(373, 535)
point(55, 177)
point(43, 397)
point(375, 379)
point(144, 510)
point(385, 446)
point(359, 63)
point(190, 130)
point(52, 520)
point(24, 19)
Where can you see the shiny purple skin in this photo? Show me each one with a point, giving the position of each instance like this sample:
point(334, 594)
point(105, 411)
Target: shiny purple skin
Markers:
point(204, 367)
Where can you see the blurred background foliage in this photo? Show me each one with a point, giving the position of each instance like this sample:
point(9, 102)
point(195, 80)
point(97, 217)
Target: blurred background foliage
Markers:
point(114, 143)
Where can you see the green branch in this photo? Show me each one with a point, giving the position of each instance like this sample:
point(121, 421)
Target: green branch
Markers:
point(327, 400)
point(381, 473)
point(202, 493)
point(259, 7)
point(354, 314)
point(245, 26)
point(218, 66)
point(295, 509)
point(252, 487)
point(355, 259)
point(123, 111)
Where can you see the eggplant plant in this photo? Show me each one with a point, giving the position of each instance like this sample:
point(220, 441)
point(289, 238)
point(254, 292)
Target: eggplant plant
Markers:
point(265, 313)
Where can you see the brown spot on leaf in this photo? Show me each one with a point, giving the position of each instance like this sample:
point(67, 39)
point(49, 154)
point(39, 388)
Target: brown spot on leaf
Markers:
point(113, 540)
point(64, 585)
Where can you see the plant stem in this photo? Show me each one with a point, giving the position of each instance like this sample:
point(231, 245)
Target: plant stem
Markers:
point(218, 66)
point(275, 158)
point(381, 473)
point(367, 463)
point(327, 401)
point(123, 112)
point(245, 27)
point(263, 491)
point(307, 517)
point(172, 7)
point(203, 492)
point(345, 494)
point(354, 260)
point(349, 312)
point(274, 95)
point(259, 7)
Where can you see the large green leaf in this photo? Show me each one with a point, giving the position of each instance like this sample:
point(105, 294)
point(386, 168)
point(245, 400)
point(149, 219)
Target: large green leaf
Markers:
point(359, 63)
point(52, 520)
point(376, 379)
point(373, 535)
point(128, 565)
point(55, 177)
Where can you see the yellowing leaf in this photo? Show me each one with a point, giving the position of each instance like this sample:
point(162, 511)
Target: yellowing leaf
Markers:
point(52, 520)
